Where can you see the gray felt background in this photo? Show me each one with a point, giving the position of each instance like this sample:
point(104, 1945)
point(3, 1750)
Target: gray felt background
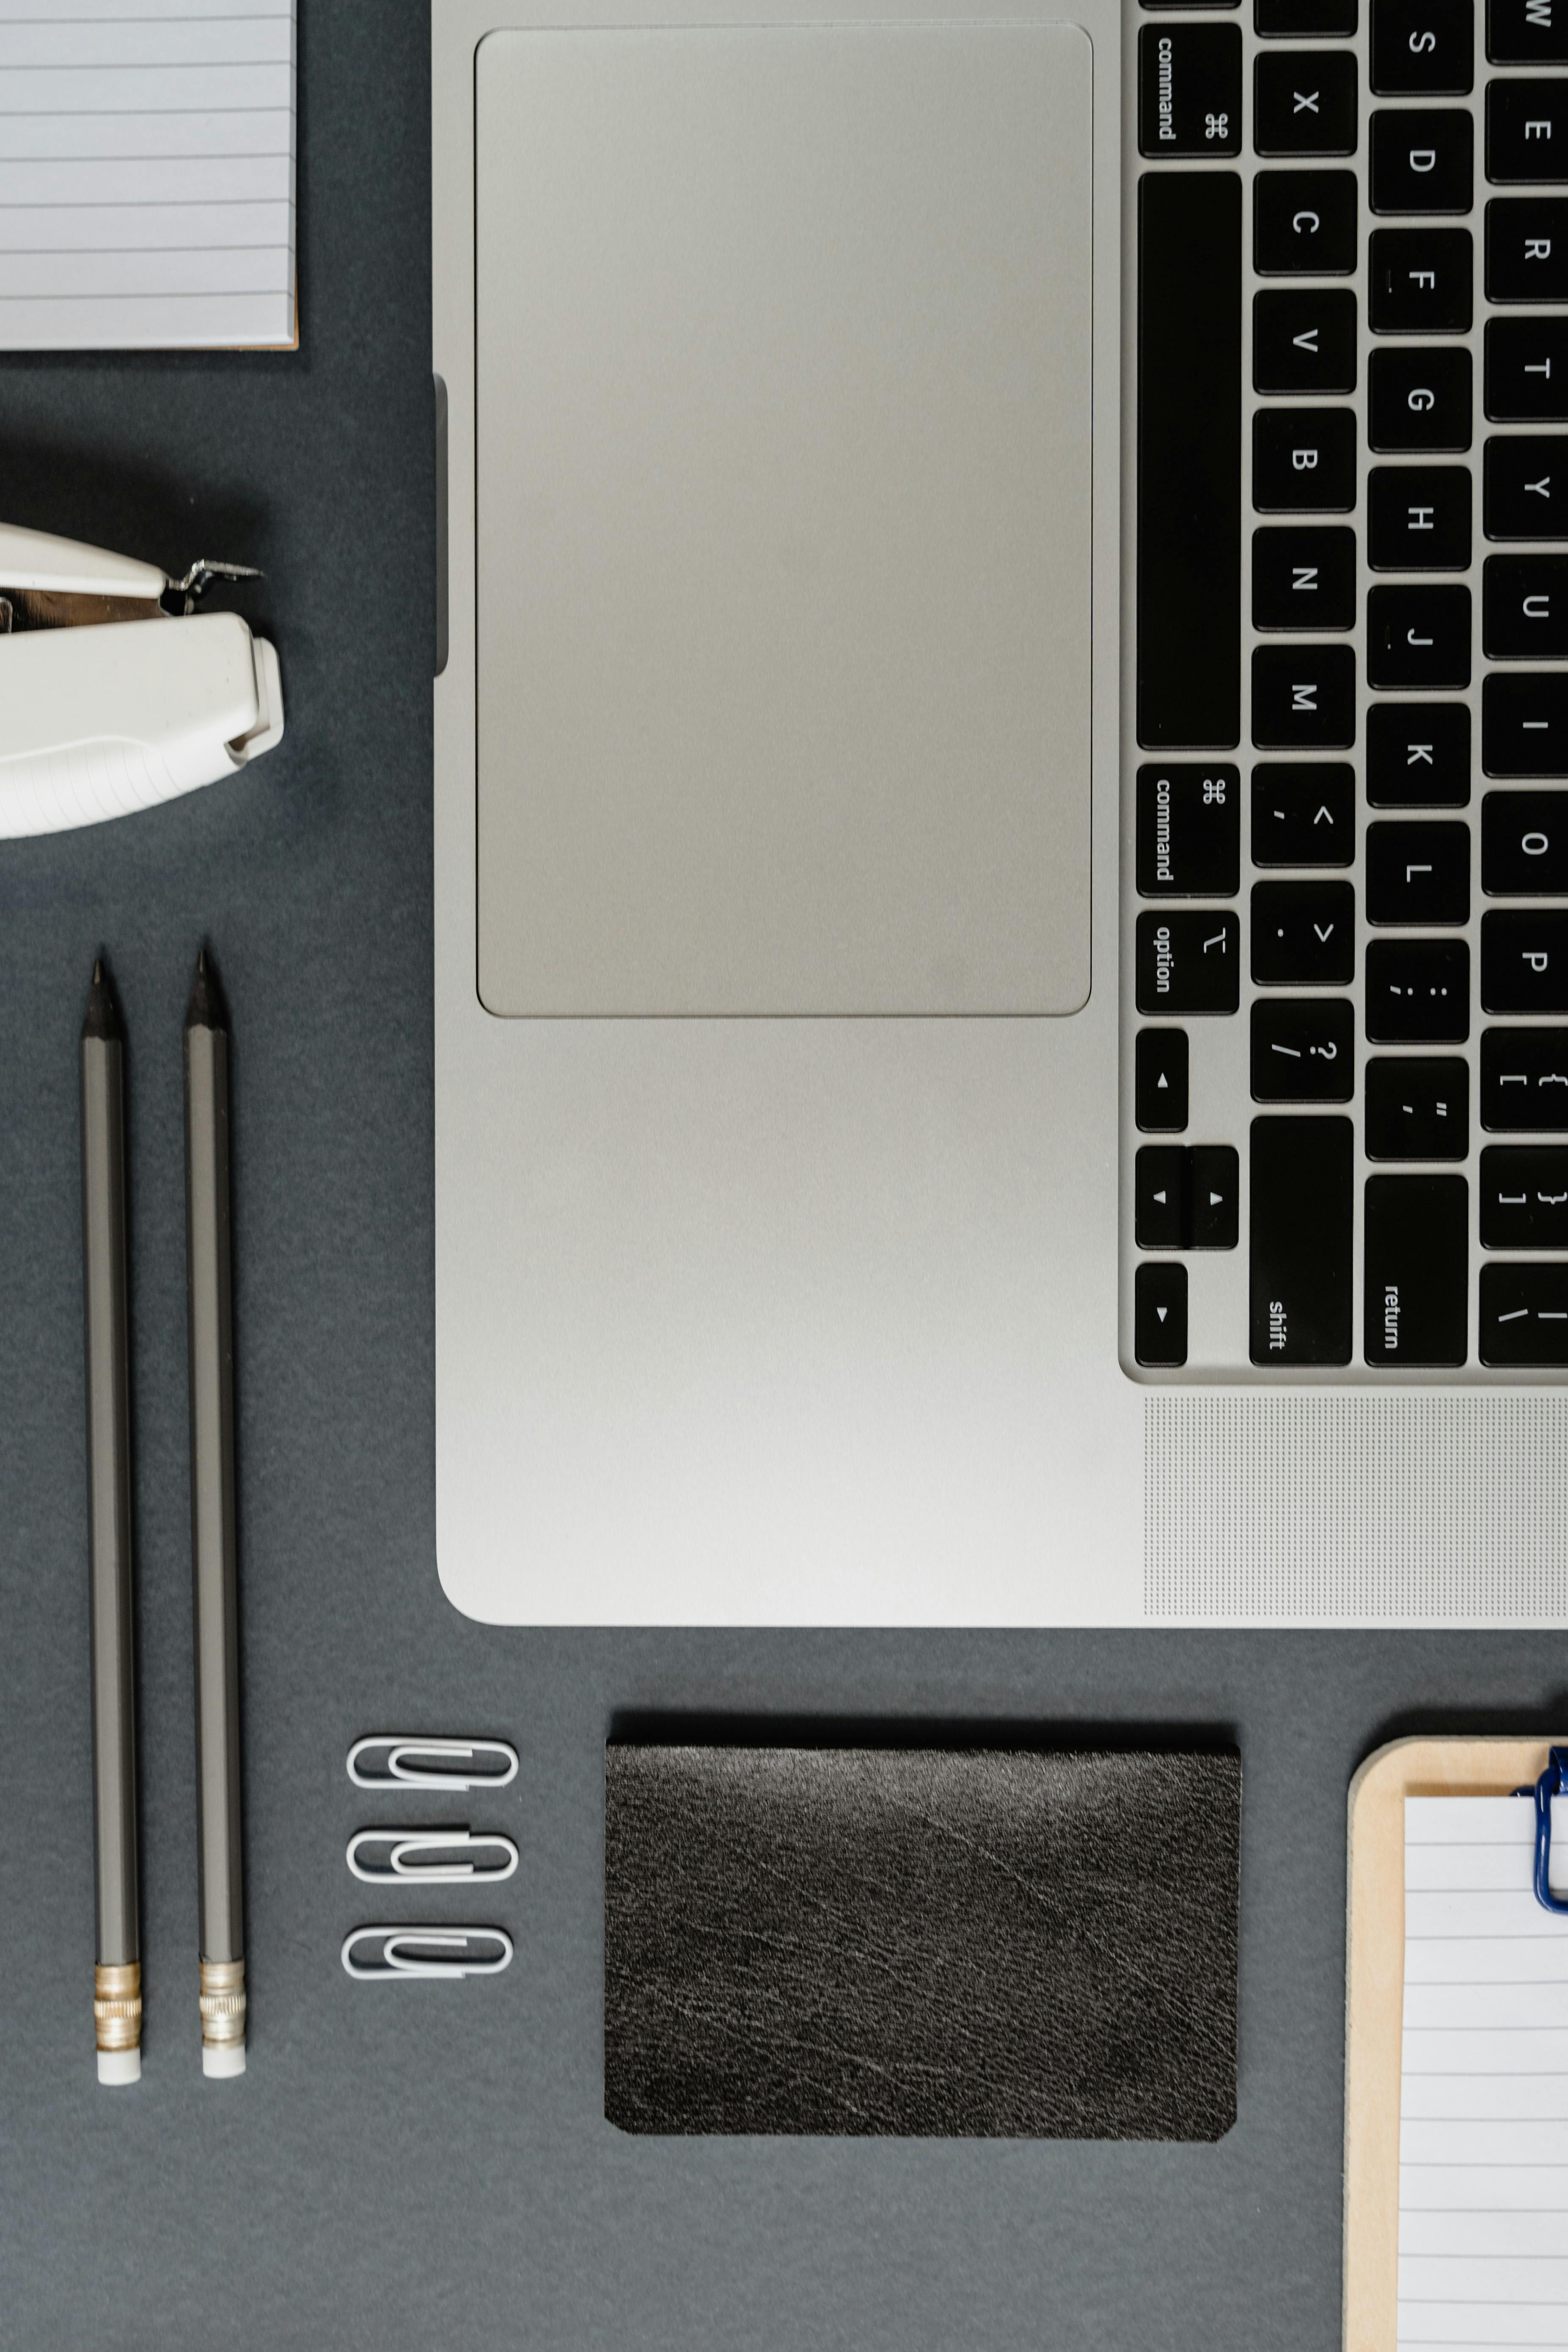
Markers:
point(429, 2164)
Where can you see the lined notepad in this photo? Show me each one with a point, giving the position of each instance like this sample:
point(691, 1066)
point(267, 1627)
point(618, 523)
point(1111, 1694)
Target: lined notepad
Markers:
point(146, 173)
point(1483, 2128)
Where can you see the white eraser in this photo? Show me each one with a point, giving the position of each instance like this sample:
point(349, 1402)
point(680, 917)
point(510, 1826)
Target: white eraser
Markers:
point(228, 2058)
point(119, 2065)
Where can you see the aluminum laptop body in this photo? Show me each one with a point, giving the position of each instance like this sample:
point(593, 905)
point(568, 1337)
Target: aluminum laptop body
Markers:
point(933, 1127)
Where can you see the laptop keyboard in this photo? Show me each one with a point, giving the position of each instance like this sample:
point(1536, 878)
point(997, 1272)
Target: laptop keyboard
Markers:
point(1348, 1115)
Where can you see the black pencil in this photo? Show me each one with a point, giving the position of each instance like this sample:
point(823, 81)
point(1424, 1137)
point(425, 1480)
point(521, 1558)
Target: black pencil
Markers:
point(210, 1296)
point(116, 1987)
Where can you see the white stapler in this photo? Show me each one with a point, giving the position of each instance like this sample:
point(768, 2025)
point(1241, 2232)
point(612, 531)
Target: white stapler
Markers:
point(102, 715)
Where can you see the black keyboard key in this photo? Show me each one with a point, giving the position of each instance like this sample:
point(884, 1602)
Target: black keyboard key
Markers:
point(1303, 934)
point(1419, 400)
point(1159, 1195)
point(1304, 223)
point(1524, 844)
point(1189, 461)
point(1304, 460)
point(1418, 873)
point(1419, 517)
point(1524, 1081)
point(1527, 131)
point(1303, 698)
point(1189, 89)
point(1527, 32)
point(1160, 1315)
point(1304, 341)
point(1303, 813)
point(1189, 830)
point(1524, 961)
point(1418, 754)
point(1423, 159)
point(1423, 48)
point(1417, 1270)
point(1527, 249)
point(1303, 1049)
point(1524, 1196)
point(1300, 1228)
point(1160, 1081)
point(1186, 1200)
point(1418, 992)
point(1419, 637)
point(1524, 608)
point(1214, 1196)
point(1188, 964)
point(1303, 578)
point(1526, 486)
point(1305, 103)
point(1524, 1314)
point(1304, 20)
point(1527, 369)
point(1420, 281)
point(1524, 723)
point(1417, 1107)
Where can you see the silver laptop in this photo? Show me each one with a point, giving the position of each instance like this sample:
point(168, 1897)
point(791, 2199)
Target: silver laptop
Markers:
point(1001, 848)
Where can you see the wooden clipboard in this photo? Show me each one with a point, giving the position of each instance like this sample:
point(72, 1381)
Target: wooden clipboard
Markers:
point(1374, 1994)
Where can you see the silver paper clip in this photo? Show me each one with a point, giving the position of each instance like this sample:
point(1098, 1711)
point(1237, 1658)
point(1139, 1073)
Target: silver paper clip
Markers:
point(407, 1845)
point(398, 1945)
point(398, 1773)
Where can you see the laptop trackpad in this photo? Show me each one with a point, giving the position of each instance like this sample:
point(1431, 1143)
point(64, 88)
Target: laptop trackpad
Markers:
point(784, 418)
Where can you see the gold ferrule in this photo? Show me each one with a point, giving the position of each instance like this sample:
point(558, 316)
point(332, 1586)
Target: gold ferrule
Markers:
point(117, 2006)
point(223, 2003)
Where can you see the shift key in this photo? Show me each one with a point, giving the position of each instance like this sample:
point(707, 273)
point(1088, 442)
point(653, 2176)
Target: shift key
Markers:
point(1300, 1228)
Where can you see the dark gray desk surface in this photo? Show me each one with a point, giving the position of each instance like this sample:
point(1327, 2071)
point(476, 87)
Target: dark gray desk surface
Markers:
point(429, 2164)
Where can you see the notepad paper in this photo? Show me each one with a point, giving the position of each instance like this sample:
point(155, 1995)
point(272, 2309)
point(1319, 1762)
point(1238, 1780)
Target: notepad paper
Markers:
point(146, 173)
point(1483, 2128)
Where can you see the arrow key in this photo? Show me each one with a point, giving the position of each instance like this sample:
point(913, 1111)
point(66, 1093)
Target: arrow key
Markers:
point(1160, 1081)
point(1160, 1203)
point(1214, 1195)
point(1160, 1314)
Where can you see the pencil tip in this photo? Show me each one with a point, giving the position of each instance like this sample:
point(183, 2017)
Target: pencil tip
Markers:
point(205, 1010)
point(102, 1019)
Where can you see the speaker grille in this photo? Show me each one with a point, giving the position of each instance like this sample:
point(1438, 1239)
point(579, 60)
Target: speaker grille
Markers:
point(1355, 1505)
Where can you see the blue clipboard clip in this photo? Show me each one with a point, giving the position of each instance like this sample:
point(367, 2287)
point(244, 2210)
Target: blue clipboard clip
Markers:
point(1550, 1785)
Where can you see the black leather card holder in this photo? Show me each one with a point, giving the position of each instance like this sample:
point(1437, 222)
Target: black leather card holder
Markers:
point(983, 1941)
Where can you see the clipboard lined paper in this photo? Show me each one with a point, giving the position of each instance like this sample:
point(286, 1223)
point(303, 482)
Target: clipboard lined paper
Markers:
point(147, 175)
point(1456, 2055)
point(1483, 2126)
